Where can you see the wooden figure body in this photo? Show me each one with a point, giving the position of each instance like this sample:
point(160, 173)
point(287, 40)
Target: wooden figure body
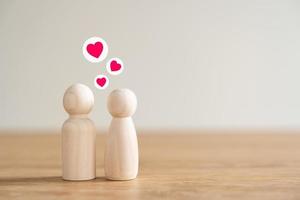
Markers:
point(78, 135)
point(121, 156)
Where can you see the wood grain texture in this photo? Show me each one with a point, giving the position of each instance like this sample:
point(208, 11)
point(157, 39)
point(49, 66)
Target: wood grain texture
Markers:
point(178, 166)
point(121, 158)
point(78, 140)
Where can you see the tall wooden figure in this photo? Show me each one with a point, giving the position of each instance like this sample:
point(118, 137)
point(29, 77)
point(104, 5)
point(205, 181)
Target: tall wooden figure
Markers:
point(121, 156)
point(78, 135)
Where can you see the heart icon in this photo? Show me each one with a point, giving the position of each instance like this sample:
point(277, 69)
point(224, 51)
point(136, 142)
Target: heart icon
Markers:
point(95, 50)
point(115, 66)
point(101, 81)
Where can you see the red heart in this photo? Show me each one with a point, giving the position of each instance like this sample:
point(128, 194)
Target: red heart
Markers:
point(95, 50)
point(101, 81)
point(115, 66)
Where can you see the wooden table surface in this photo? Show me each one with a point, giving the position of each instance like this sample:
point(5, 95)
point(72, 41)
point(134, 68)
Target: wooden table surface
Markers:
point(172, 166)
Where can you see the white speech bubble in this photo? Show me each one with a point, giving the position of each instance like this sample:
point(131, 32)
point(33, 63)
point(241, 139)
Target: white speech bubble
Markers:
point(111, 70)
point(97, 82)
point(92, 50)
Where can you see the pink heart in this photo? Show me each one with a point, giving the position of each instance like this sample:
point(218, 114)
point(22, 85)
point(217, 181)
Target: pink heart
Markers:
point(95, 50)
point(101, 81)
point(115, 66)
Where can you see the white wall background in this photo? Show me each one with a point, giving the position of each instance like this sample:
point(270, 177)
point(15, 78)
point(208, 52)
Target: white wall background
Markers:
point(192, 64)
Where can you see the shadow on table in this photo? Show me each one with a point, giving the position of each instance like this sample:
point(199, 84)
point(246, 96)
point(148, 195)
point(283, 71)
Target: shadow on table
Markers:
point(38, 180)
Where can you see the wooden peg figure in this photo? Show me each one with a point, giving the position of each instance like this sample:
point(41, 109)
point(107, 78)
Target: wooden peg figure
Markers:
point(121, 156)
point(78, 135)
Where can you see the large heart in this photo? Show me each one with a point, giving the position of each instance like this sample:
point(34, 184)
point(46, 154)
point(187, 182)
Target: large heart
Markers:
point(95, 50)
point(101, 81)
point(115, 66)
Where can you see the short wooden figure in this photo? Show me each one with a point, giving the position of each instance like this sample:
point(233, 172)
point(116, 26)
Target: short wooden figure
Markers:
point(121, 156)
point(78, 135)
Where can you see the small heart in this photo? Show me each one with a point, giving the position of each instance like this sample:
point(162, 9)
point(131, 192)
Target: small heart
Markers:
point(95, 50)
point(115, 66)
point(101, 81)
